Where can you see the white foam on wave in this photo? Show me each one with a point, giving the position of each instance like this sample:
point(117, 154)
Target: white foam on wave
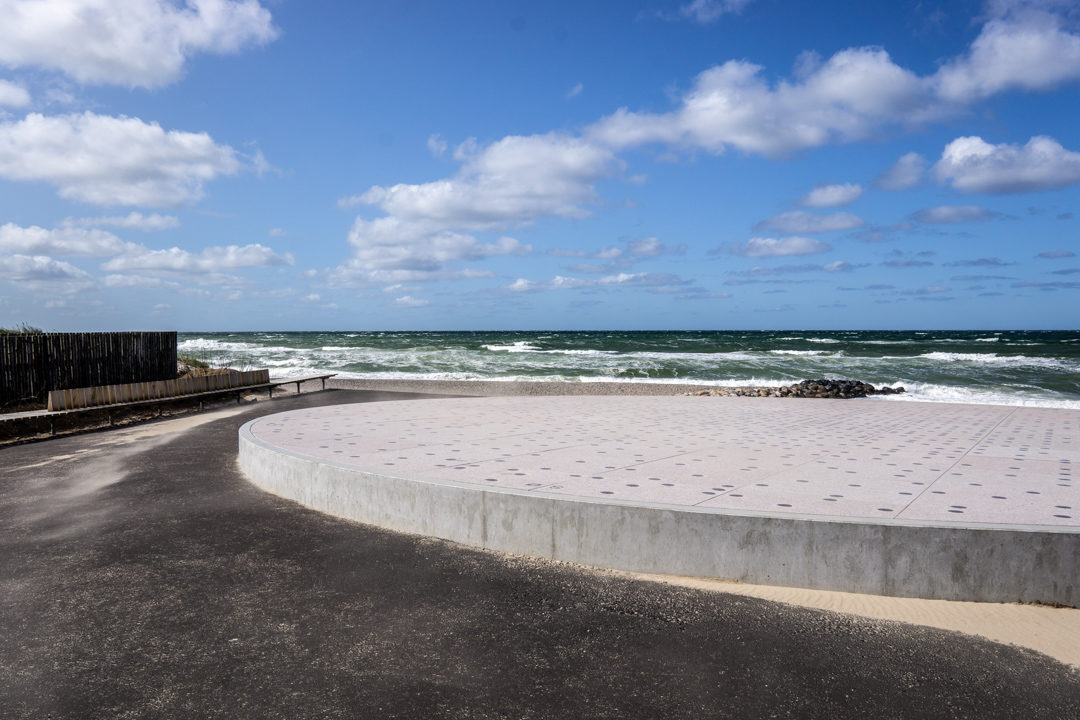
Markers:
point(519, 346)
point(930, 392)
point(826, 341)
point(994, 359)
point(802, 353)
point(198, 344)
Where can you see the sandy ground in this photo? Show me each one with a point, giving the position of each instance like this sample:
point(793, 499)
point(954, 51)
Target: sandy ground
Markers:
point(1049, 630)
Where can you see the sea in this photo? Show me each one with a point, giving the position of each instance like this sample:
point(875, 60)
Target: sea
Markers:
point(1035, 368)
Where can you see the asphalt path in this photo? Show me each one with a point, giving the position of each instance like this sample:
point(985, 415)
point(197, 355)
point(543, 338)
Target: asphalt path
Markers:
point(142, 576)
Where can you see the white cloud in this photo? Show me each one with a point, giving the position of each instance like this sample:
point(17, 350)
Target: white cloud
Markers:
point(12, 95)
point(437, 145)
point(1023, 47)
point(210, 260)
point(389, 250)
point(410, 301)
point(277, 232)
point(63, 242)
point(905, 173)
point(777, 247)
point(652, 247)
point(973, 165)
point(39, 268)
point(950, 214)
point(474, 273)
point(143, 282)
point(706, 11)
point(137, 43)
point(731, 105)
point(853, 94)
point(523, 285)
point(575, 91)
point(640, 280)
point(133, 220)
point(799, 221)
point(825, 196)
point(510, 182)
point(112, 160)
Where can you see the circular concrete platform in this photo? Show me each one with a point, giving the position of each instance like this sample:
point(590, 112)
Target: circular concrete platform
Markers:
point(971, 502)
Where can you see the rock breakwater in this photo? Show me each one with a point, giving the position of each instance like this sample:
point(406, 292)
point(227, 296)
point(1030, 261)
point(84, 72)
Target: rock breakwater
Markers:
point(805, 389)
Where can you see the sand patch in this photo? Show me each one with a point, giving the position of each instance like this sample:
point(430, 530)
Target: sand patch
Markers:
point(1049, 630)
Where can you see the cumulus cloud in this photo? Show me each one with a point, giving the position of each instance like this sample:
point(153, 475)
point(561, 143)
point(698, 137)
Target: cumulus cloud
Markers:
point(41, 269)
point(854, 94)
point(777, 247)
point(905, 173)
point(707, 11)
point(949, 214)
point(12, 95)
point(62, 242)
point(1023, 46)
point(133, 221)
point(112, 160)
point(390, 250)
point(210, 260)
point(509, 183)
point(974, 165)
point(731, 105)
point(136, 43)
point(799, 221)
point(826, 196)
point(512, 181)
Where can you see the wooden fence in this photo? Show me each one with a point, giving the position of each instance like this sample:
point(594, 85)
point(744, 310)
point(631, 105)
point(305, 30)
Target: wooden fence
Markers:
point(33, 364)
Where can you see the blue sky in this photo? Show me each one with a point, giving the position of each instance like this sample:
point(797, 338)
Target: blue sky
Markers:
point(625, 164)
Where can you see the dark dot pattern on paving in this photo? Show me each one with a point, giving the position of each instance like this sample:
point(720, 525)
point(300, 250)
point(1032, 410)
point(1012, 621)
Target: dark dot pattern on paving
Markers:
point(866, 458)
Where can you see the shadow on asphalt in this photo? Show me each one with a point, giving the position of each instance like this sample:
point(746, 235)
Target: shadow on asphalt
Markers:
point(148, 578)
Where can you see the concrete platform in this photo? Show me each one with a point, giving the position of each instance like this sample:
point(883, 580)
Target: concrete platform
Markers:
point(971, 502)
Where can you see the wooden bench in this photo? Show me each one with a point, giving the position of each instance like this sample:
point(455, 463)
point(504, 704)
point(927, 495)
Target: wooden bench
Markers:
point(158, 402)
point(289, 381)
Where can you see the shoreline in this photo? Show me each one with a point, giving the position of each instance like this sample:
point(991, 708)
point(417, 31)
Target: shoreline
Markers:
point(516, 388)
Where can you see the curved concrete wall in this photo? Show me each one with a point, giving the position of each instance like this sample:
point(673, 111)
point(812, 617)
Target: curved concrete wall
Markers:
point(953, 562)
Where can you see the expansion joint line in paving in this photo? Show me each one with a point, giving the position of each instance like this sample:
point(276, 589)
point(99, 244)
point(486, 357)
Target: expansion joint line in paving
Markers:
point(955, 462)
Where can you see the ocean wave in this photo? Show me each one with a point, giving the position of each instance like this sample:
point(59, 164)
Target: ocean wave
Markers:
point(931, 392)
point(520, 346)
point(995, 359)
point(827, 341)
point(804, 353)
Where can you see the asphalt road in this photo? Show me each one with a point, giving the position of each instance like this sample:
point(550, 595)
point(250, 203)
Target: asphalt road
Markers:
point(147, 578)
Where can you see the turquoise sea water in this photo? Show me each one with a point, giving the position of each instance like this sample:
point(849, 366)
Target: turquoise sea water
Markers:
point(1007, 367)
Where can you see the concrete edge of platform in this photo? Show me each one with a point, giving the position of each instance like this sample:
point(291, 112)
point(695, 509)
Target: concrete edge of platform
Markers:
point(950, 562)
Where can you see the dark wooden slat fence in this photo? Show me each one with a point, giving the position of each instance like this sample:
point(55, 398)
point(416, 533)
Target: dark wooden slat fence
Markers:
point(33, 364)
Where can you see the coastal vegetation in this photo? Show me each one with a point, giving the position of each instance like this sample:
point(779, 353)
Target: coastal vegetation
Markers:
point(21, 329)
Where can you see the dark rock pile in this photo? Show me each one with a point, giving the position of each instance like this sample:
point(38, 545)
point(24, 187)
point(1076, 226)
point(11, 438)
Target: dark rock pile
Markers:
point(805, 389)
